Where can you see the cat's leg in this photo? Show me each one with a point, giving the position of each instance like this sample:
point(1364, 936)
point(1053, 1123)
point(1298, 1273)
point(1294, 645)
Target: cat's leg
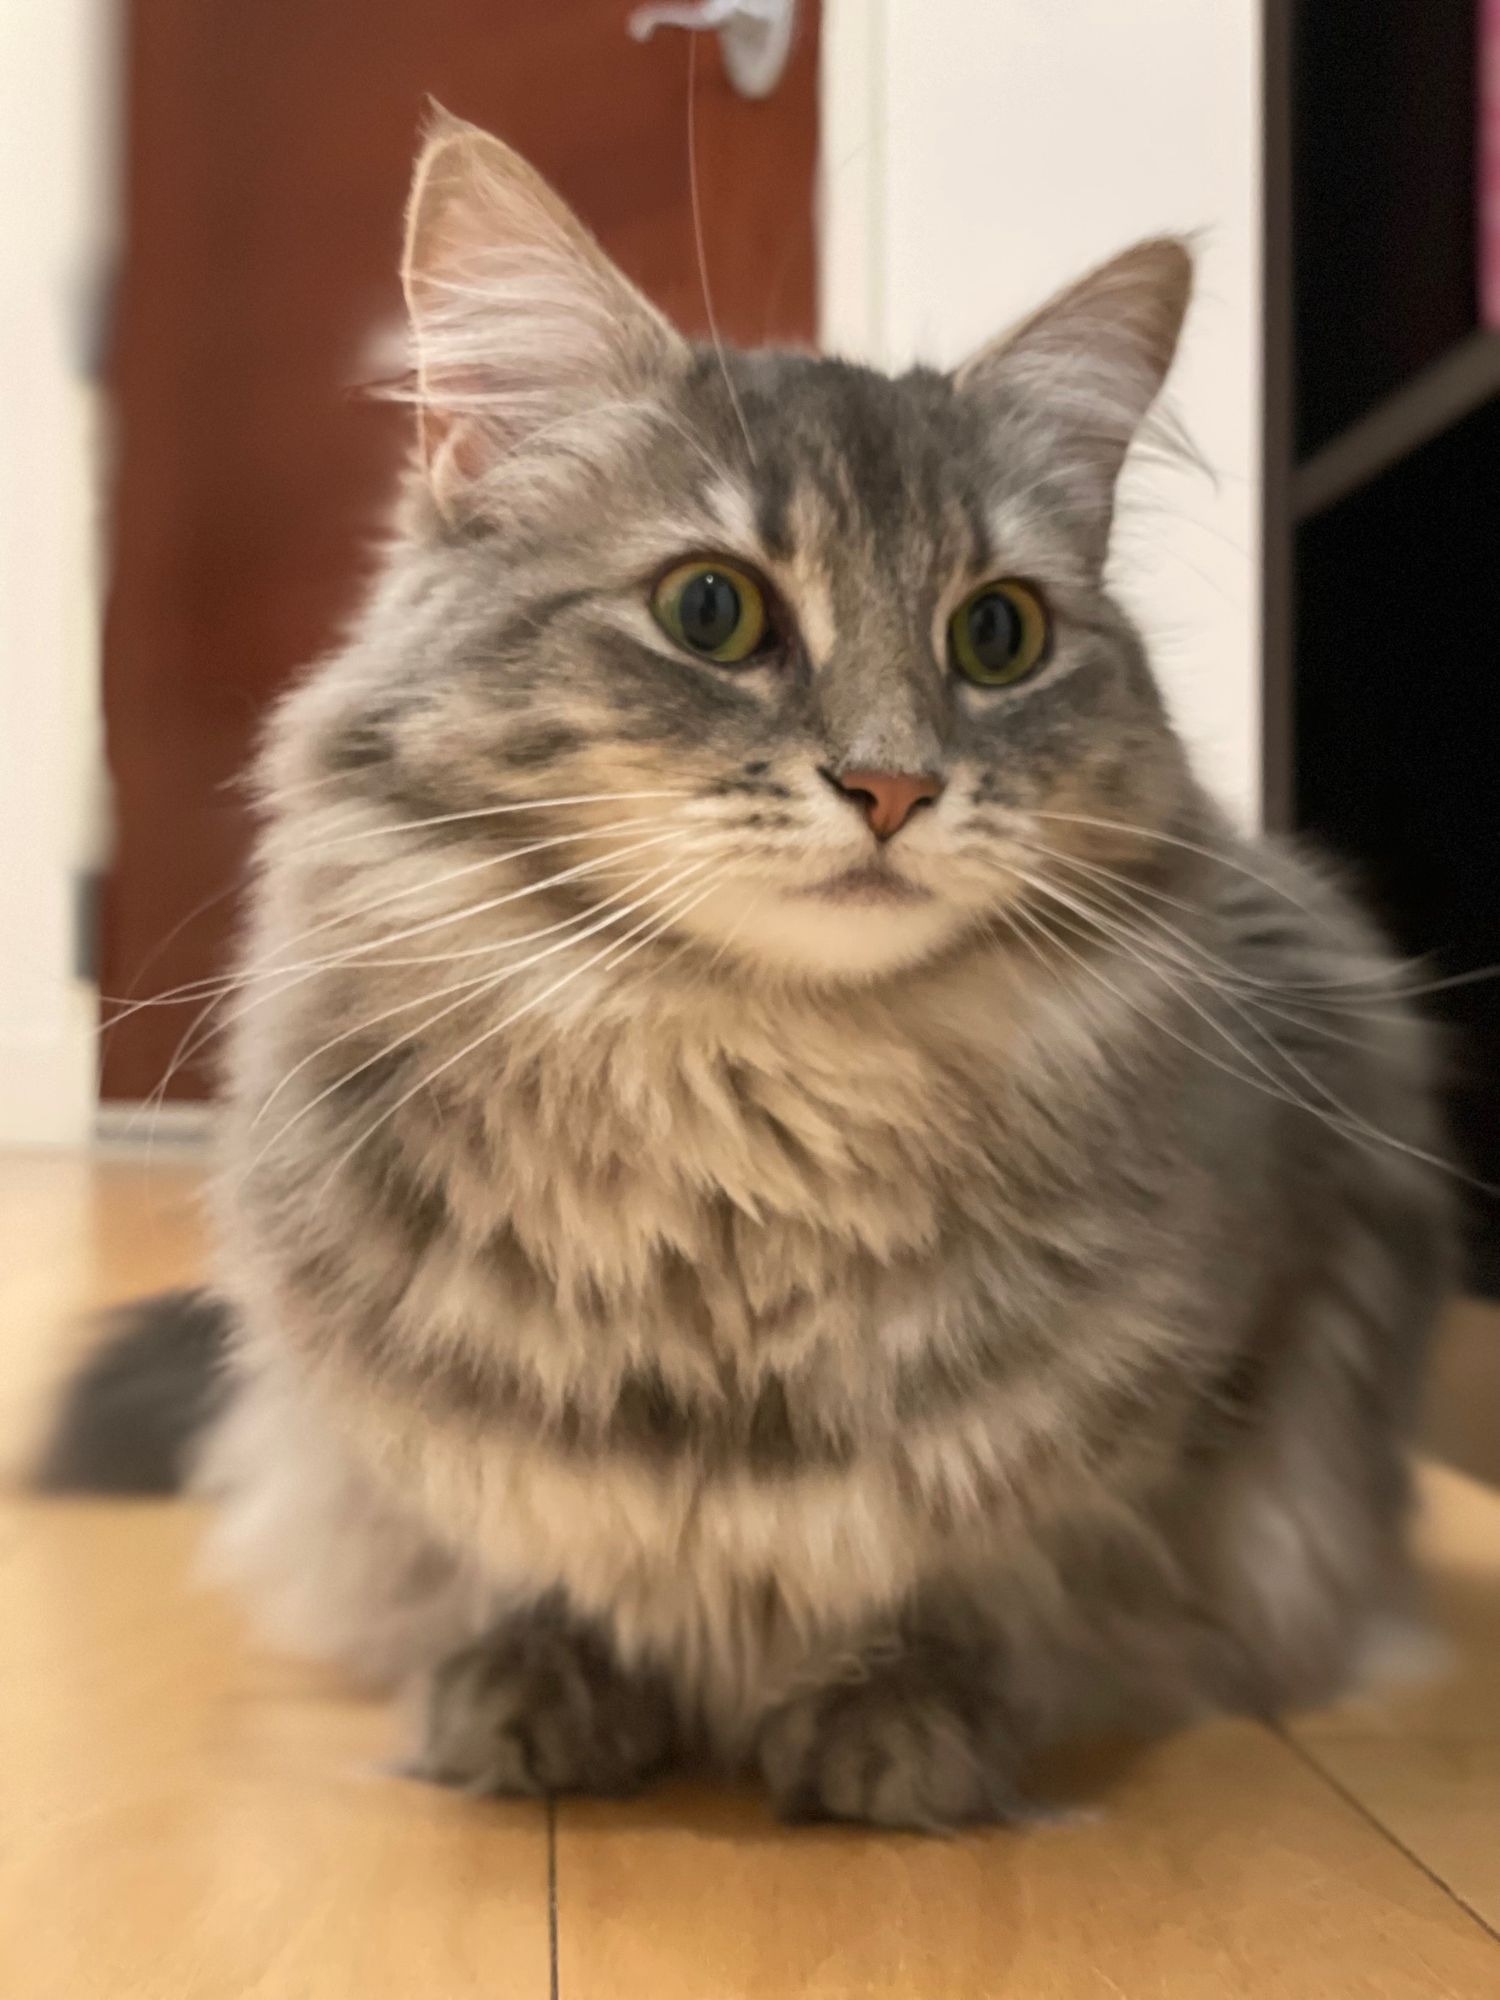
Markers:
point(915, 1731)
point(338, 1568)
point(541, 1705)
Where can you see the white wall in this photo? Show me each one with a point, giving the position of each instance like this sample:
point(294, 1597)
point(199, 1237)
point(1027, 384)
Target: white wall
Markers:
point(54, 114)
point(979, 153)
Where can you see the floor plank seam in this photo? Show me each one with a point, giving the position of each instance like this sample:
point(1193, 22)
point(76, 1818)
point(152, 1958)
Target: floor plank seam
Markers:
point(552, 1896)
point(1356, 1804)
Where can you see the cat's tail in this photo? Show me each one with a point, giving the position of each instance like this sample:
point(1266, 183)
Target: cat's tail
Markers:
point(131, 1418)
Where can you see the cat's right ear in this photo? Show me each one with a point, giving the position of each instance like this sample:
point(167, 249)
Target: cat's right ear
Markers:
point(518, 318)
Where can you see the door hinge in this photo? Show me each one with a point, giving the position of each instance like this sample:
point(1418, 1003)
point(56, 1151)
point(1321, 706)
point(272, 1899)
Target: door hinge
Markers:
point(88, 901)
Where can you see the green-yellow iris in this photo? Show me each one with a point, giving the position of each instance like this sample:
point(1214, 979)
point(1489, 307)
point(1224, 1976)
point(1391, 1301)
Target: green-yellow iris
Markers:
point(999, 634)
point(713, 609)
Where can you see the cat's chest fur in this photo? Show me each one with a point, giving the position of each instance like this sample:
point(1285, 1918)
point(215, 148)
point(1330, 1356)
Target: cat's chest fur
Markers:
point(708, 1309)
point(719, 1187)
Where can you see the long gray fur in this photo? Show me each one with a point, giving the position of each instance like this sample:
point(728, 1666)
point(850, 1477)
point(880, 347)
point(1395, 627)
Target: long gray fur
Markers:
point(865, 1340)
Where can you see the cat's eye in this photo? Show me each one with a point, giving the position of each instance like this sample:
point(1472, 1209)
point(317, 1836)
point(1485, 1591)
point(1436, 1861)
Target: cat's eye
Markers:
point(999, 635)
point(714, 610)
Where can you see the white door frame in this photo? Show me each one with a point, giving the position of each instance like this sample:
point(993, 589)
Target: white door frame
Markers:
point(56, 124)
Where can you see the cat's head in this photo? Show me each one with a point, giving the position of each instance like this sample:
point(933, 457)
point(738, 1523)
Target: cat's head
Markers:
point(814, 651)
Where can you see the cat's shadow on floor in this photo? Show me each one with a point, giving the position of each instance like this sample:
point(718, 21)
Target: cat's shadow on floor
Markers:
point(1070, 1787)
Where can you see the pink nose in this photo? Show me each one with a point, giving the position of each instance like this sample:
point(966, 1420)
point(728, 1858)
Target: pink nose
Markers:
point(888, 798)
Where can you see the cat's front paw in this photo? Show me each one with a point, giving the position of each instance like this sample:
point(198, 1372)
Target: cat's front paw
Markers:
point(890, 1753)
point(541, 1706)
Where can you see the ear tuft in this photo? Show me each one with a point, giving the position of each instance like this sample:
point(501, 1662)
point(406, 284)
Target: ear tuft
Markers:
point(518, 318)
point(1091, 363)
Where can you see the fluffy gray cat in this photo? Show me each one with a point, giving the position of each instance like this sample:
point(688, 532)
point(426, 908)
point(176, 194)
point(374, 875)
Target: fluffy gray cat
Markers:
point(794, 1195)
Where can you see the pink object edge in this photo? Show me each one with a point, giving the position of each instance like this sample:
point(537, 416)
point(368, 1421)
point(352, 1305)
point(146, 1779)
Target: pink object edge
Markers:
point(1489, 163)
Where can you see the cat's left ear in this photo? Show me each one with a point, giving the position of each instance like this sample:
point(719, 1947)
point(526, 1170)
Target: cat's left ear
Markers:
point(1081, 374)
point(519, 320)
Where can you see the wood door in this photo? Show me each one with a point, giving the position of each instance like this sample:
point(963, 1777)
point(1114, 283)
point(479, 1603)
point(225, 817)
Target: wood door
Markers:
point(267, 153)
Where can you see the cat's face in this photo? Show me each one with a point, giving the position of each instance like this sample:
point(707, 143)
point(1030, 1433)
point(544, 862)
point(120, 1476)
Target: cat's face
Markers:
point(814, 651)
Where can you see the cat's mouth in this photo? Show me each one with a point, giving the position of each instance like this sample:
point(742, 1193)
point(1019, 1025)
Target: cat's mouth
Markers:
point(872, 882)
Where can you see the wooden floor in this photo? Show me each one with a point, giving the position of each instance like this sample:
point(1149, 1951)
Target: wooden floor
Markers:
point(182, 1818)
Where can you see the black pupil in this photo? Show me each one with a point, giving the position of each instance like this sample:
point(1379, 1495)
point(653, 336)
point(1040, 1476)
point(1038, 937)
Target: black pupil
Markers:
point(994, 630)
point(709, 609)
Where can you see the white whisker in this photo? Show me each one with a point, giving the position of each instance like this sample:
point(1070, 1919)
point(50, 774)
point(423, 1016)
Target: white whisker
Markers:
point(1196, 961)
point(1341, 1119)
point(695, 199)
point(1049, 933)
point(431, 1020)
point(204, 1028)
point(1217, 854)
point(662, 921)
point(488, 979)
point(269, 968)
point(1380, 986)
point(501, 811)
point(1151, 961)
point(495, 860)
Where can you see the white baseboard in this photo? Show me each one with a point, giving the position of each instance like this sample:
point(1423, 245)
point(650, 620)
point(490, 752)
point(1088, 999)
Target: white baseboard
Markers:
point(157, 1128)
point(47, 1084)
